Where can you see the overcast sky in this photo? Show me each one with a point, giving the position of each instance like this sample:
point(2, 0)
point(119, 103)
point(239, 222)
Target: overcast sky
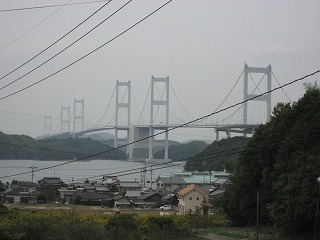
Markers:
point(201, 45)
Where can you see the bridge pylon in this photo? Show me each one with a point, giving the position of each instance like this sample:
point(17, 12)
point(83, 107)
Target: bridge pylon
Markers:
point(47, 126)
point(78, 116)
point(123, 102)
point(266, 98)
point(65, 118)
point(154, 103)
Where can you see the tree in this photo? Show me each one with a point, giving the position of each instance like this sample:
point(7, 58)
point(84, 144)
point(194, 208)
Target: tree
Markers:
point(282, 162)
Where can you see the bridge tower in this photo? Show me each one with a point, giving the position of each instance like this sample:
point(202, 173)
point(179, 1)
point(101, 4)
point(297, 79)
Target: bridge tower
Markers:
point(65, 118)
point(78, 116)
point(124, 102)
point(266, 98)
point(159, 102)
point(47, 125)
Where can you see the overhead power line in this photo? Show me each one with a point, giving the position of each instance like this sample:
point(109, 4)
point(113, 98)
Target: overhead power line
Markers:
point(49, 6)
point(171, 129)
point(57, 54)
point(29, 30)
point(86, 55)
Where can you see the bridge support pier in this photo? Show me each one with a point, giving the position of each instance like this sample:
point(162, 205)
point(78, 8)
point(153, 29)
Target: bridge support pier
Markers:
point(217, 135)
point(122, 103)
point(78, 116)
point(47, 126)
point(266, 98)
point(228, 134)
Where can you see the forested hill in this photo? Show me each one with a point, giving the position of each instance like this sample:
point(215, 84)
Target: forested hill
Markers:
point(282, 162)
point(182, 151)
point(218, 155)
point(25, 147)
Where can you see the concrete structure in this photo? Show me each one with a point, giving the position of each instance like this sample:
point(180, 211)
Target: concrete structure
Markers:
point(65, 118)
point(47, 125)
point(122, 103)
point(267, 98)
point(159, 102)
point(78, 116)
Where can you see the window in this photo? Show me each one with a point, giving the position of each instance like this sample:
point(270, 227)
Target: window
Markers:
point(190, 198)
point(198, 198)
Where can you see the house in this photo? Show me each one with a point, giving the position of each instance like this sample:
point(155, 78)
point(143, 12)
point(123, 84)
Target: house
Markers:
point(121, 201)
point(112, 182)
point(51, 182)
point(150, 199)
point(21, 192)
point(129, 185)
point(191, 200)
point(221, 183)
point(170, 183)
point(133, 194)
point(67, 195)
point(90, 198)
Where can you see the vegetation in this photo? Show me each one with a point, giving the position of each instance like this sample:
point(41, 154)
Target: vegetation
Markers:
point(218, 155)
point(282, 162)
point(182, 151)
point(24, 147)
point(70, 224)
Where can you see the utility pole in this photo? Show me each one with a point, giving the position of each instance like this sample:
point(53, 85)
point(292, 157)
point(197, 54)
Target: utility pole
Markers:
point(32, 170)
point(151, 175)
point(257, 215)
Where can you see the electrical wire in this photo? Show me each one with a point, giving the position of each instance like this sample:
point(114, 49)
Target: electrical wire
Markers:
point(199, 158)
point(86, 55)
point(66, 34)
point(57, 54)
point(282, 89)
point(49, 6)
point(29, 30)
point(237, 110)
point(173, 128)
point(223, 101)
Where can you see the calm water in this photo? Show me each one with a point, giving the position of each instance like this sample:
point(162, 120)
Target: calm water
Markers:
point(81, 170)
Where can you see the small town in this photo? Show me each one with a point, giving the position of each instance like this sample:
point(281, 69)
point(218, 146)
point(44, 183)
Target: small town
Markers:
point(184, 193)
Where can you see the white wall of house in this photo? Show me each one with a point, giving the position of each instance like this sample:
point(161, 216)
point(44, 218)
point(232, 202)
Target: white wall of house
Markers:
point(189, 203)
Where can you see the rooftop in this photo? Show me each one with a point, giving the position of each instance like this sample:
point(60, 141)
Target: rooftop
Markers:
point(190, 188)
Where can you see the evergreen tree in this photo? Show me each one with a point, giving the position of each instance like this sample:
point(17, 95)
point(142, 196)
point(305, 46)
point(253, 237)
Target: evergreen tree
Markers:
point(282, 162)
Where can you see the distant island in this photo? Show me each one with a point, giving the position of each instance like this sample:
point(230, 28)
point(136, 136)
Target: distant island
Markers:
point(28, 148)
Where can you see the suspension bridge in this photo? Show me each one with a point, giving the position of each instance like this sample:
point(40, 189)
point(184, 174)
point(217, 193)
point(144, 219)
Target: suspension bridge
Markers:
point(141, 136)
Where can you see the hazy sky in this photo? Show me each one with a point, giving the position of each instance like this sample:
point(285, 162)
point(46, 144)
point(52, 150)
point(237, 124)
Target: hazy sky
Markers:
point(201, 45)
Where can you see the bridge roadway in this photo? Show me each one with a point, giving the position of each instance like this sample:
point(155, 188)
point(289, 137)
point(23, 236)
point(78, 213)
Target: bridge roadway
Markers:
point(228, 128)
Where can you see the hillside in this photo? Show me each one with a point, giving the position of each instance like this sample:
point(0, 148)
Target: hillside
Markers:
point(218, 155)
point(183, 151)
point(281, 163)
point(25, 147)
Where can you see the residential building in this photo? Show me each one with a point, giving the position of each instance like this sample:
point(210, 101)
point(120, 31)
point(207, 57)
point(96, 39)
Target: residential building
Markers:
point(21, 192)
point(191, 200)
